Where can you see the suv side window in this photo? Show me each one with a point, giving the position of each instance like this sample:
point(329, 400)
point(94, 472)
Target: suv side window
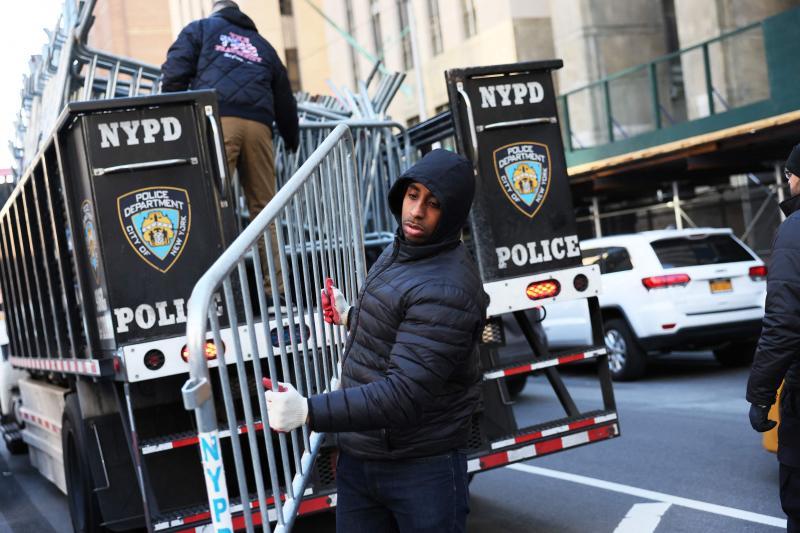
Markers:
point(593, 256)
point(616, 259)
point(611, 259)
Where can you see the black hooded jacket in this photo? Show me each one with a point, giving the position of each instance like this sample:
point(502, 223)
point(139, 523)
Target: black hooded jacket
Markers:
point(410, 374)
point(778, 354)
point(225, 52)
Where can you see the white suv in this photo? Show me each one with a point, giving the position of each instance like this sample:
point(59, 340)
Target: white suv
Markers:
point(664, 290)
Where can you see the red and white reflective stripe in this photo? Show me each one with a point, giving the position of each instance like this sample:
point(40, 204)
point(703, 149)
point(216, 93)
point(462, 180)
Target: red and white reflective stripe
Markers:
point(494, 460)
point(43, 422)
point(307, 506)
point(191, 441)
point(530, 367)
point(88, 367)
point(572, 426)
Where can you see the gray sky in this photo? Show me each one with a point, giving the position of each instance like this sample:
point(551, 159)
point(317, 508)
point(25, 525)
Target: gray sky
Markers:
point(22, 25)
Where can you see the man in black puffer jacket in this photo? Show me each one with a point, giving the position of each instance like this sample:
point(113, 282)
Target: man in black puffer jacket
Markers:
point(226, 53)
point(410, 375)
point(778, 355)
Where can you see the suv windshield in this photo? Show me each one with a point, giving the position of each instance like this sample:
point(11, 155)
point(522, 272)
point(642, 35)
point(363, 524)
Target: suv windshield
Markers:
point(692, 251)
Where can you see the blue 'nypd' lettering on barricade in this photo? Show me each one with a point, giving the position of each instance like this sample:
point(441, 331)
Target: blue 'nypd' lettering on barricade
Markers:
point(218, 502)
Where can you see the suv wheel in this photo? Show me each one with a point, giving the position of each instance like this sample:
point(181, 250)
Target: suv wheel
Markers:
point(736, 354)
point(626, 359)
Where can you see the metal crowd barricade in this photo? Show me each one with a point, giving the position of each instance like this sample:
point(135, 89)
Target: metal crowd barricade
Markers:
point(382, 152)
point(70, 70)
point(318, 217)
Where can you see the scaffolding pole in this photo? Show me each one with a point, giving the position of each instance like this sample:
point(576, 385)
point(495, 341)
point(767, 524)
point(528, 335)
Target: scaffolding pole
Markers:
point(676, 205)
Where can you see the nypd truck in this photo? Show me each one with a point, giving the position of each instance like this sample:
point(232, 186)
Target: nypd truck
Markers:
point(123, 208)
point(126, 206)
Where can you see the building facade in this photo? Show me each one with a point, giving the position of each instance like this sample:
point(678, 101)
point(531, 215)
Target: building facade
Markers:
point(337, 42)
point(328, 44)
point(144, 29)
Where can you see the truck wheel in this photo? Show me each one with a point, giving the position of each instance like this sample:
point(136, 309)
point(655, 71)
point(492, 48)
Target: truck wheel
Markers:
point(736, 354)
point(515, 384)
point(626, 359)
point(83, 507)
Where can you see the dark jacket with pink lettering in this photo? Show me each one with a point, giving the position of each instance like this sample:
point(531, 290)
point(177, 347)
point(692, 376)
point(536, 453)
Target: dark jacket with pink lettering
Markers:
point(410, 374)
point(225, 52)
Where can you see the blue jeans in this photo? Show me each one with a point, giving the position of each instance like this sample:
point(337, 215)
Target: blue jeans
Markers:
point(425, 495)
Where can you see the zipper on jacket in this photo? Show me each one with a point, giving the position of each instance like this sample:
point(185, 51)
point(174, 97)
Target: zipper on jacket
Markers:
point(394, 255)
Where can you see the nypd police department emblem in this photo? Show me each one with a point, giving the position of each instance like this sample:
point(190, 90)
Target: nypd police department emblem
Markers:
point(523, 170)
point(90, 237)
point(156, 222)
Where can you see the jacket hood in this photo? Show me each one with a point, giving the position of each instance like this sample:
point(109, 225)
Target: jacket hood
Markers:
point(450, 178)
point(235, 16)
point(791, 205)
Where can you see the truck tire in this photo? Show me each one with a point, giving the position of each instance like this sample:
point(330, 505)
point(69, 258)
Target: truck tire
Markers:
point(736, 354)
point(626, 359)
point(84, 509)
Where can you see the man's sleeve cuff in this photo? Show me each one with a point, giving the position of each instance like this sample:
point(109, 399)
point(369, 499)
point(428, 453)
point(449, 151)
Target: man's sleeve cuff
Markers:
point(314, 410)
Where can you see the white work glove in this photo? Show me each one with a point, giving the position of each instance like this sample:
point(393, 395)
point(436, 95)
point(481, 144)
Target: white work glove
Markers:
point(335, 308)
point(286, 408)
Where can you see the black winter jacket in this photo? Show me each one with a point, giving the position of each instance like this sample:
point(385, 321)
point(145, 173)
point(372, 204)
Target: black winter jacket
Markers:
point(778, 354)
point(225, 52)
point(411, 372)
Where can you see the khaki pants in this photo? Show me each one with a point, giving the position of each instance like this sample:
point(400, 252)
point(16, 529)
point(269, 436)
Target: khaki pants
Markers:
point(248, 146)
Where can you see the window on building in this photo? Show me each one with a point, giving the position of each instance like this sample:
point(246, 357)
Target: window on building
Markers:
point(375, 24)
point(402, 16)
point(435, 26)
point(285, 7)
point(351, 29)
point(468, 15)
point(412, 120)
point(293, 68)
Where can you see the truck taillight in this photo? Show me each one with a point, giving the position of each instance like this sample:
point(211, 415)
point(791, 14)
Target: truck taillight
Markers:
point(211, 351)
point(758, 273)
point(543, 289)
point(658, 282)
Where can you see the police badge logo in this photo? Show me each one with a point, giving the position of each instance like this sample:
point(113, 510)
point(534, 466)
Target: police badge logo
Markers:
point(523, 170)
point(90, 238)
point(156, 222)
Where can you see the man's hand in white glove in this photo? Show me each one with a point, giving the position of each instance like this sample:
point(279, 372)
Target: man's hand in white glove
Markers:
point(286, 408)
point(334, 305)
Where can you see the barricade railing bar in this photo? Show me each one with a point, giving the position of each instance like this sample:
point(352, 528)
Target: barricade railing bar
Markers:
point(310, 231)
point(382, 153)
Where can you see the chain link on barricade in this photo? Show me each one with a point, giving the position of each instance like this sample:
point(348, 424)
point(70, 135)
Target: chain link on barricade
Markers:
point(320, 233)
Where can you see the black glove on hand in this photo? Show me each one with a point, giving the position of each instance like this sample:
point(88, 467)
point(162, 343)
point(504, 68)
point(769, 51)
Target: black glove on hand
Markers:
point(758, 418)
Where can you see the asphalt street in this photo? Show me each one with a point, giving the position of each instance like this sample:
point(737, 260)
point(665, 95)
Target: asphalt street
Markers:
point(687, 461)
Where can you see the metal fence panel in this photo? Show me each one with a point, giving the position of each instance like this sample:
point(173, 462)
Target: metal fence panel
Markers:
point(314, 222)
point(382, 152)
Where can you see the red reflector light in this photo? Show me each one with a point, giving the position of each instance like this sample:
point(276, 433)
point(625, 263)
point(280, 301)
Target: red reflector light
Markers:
point(758, 272)
point(657, 282)
point(543, 289)
point(211, 351)
point(154, 359)
point(668, 326)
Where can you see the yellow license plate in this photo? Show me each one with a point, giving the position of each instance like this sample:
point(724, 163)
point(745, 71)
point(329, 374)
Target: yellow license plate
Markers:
point(720, 285)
